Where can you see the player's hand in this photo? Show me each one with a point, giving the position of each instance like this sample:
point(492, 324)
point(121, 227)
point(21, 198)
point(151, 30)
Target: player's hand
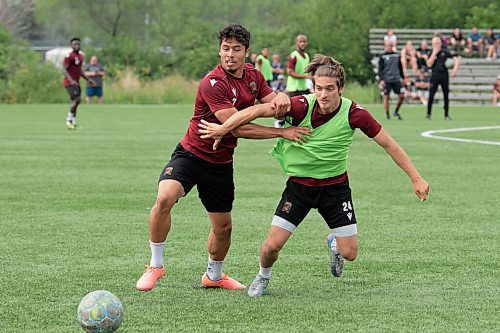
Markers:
point(91, 83)
point(211, 131)
point(280, 104)
point(421, 188)
point(382, 83)
point(298, 134)
point(453, 73)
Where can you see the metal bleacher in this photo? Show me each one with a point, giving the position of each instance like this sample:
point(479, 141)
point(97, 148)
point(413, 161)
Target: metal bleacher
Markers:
point(475, 76)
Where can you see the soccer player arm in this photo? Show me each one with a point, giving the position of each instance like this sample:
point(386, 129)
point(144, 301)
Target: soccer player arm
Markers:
point(290, 69)
point(231, 119)
point(399, 156)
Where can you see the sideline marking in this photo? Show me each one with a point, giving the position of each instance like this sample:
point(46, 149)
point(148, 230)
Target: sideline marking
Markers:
point(430, 134)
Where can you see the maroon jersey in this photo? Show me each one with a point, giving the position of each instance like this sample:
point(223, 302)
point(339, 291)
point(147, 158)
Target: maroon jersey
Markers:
point(219, 90)
point(359, 117)
point(73, 64)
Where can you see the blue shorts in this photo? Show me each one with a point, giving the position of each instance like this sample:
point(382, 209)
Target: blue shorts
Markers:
point(94, 91)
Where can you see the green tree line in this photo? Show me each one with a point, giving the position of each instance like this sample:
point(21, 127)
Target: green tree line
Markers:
point(157, 38)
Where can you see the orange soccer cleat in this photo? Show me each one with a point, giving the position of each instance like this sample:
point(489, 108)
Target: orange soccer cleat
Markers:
point(225, 283)
point(149, 278)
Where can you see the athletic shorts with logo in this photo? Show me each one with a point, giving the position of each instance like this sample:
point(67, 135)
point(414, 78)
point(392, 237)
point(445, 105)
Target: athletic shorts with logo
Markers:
point(333, 202)
point(213, 181)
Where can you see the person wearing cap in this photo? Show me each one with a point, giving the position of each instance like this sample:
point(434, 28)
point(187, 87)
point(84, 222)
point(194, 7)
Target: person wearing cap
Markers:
point(279, 85)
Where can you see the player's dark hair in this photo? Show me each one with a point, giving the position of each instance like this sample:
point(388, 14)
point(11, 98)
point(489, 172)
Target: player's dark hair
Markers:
point(322, 65)
point(75, 39)
point(237, 32)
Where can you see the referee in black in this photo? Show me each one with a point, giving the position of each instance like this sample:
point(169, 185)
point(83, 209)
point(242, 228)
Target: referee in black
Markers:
point(437, 63)
point(390, 73)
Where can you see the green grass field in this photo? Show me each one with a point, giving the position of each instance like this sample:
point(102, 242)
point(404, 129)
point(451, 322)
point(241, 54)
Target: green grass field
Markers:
point(74, 208)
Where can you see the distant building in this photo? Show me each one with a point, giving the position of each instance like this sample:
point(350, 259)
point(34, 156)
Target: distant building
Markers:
point(57, 55)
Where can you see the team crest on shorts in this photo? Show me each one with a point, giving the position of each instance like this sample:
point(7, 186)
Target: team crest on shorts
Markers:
point(253, 87)
point(287, 206)
point(168, 171)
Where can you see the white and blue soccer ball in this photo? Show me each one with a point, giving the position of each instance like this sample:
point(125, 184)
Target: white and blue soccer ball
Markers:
point(100, 311)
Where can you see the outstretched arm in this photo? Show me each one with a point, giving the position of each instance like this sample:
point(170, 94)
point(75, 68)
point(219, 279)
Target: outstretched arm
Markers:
point(211, 130)
point(237, 123)
point(399, 156)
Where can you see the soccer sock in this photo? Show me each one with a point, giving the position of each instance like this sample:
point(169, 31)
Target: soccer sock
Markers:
point(156, 254)
point(397, 109)
point(214, 269)
point(69, 117)
point(265, 272)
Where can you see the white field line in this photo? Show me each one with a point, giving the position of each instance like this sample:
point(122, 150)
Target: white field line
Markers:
point(431, 134)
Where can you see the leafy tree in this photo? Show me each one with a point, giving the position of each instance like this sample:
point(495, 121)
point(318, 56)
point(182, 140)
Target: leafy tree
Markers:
point(484, 16)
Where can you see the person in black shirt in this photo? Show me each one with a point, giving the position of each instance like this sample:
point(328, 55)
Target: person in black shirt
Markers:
point(423, 53)
point(390, 73)
point(438, 64)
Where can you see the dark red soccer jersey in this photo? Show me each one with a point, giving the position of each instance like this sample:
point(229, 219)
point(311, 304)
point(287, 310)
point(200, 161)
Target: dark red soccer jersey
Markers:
point(73, 64)
point(359, 117)
point(219, 90)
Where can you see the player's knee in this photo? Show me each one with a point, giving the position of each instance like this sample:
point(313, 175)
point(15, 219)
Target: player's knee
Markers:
point(350, 253)
point(269, 248)
point(224, 230)
point(164, 203)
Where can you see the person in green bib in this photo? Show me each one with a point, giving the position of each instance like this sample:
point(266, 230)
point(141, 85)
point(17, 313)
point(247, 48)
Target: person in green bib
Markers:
point(316, 165)
point(296, 82)
point(263, 65)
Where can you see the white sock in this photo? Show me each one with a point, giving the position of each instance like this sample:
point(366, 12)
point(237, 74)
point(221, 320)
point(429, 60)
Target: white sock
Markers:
point(156, 254)
point(265, 272)
point(214, 269)
point(69, 117)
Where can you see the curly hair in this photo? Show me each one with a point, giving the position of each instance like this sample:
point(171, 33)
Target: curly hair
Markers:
point(322, 65)
point(237, 32)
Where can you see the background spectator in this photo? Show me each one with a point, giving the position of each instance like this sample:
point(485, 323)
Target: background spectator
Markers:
point(444, 39)
point(409, 57)
point(491, 44)
point(279, 85)
point(277, 67)
point(253, 56)
point(390, 73)
point(496, 91)
point(95, 71)
point(422, 85)
point(263, 65)
point(457, 42)
point(391, 39)
point(475, 42)
point(423, 52)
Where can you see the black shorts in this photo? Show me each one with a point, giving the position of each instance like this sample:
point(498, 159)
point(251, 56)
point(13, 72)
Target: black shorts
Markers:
point(396, 86)
point(74, 91)
point(334, 203)
point(214, 181)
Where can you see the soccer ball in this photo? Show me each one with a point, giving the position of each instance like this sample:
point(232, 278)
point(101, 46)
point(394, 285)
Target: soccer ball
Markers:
point(100, 311)
point(449, 63)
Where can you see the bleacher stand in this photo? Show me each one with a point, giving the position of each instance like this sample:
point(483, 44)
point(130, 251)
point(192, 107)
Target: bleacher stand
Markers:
point(475, 76)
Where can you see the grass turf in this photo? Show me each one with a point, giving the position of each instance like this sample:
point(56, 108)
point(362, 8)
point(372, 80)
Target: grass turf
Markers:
point(74, 219)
